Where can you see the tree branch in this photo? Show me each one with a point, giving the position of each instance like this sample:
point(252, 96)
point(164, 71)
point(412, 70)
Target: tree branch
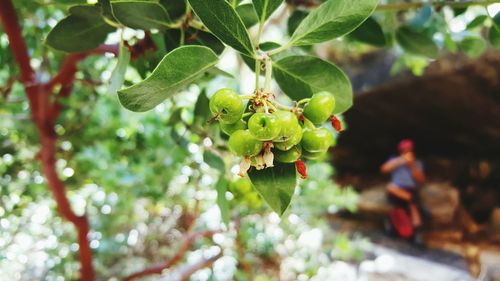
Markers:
point(183, 273)
point(13, 30)
point(186, 245)
point(436, 5)
point(44, 113)
point(406, 5)
point(48, 152)
point(8, 18)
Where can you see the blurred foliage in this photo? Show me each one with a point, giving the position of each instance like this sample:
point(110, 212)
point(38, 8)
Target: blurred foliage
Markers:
point(136, 174)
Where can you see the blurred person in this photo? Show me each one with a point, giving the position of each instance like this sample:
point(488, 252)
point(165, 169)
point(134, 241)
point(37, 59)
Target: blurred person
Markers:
point(407, 175)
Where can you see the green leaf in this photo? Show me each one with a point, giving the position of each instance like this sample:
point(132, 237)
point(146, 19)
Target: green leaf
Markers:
point(332, 19)
point(214, 161)
point(369, 32)
point(140, 14)
point(496, 19)
point(265, 8)
point(218, 71)
point(477, 21)
point(449, 43)
point(301, 76)
point(473, 46)
point(294, 20)
point(176, 70)
point(201, 109)
point(175, 8)
point(494, 36)
point(221, 187)
point(276, 185)
point(416, 43)
point(175, 117)
point(192, 37)
point(83, 30)
point(223, 21)
point(247, 14)
point(106, 9)
point(422, 17)
point(118, 75)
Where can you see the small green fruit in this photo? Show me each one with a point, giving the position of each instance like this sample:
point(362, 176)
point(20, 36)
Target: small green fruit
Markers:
point(231, 128)
point(289, 124)
point(291, 142)
point(253, 200)
point(264, 126)
point(242, 143)
point(227, 105)
point(289, 156)
point(313, 155)
point(241, 186)
point(317, 140)
point(320, 107)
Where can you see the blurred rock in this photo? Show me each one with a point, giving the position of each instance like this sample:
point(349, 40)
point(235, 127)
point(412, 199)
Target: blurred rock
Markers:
point(441, 202)
point(490, 266)
point(495, 225)
point(373, 202)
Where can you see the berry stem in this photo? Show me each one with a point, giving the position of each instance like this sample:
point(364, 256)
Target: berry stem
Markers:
point(257, 74)
point(247, 97)
point(282, 106)
point(266, 107)
point(302, 101)
point(269, 72)
point(246, 114)
point(271, 105)
point(309, 124)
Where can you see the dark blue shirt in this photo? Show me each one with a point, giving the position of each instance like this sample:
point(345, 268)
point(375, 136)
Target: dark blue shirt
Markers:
point(402, 177)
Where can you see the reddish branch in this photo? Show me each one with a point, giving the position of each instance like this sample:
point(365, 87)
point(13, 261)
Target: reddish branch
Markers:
point(183, 273)
point(242, 262)
point(186, 245)
point(45, 111)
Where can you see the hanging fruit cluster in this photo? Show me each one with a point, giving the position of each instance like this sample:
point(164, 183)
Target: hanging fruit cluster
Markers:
point(268, 131)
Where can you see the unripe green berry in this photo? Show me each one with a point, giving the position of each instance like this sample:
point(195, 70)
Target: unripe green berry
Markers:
point(289, 156)
point(241, 186)
point(227, 106)
point(289, 125)
point(231, 128)
point(313, 155)
point(264, 126)
point(320, 107)
point(242, 143)
point(317, 140)
point(291, 142)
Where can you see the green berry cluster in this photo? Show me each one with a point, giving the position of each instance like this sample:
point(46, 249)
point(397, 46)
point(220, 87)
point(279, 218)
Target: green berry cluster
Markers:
point(244, 192)
point(269, 131)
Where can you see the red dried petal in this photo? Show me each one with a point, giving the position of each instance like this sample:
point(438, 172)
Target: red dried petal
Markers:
point(336, 124)
point(301, 168)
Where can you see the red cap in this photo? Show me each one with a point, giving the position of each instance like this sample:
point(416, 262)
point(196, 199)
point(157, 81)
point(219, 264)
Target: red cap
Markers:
point(406, 144)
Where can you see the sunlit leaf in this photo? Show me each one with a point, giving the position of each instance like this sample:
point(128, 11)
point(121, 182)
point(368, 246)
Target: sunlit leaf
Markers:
point(416, 43)
point(247, 14)
point(118, 74)
point(332, 19)
point(221, 187)
point(140, 14)
point(301, 76)
point(223, 21)
point(369, 32)
point(473, 46)
point(265, 8)
point(276, 185)
point(84, 29)
point(176, 70)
